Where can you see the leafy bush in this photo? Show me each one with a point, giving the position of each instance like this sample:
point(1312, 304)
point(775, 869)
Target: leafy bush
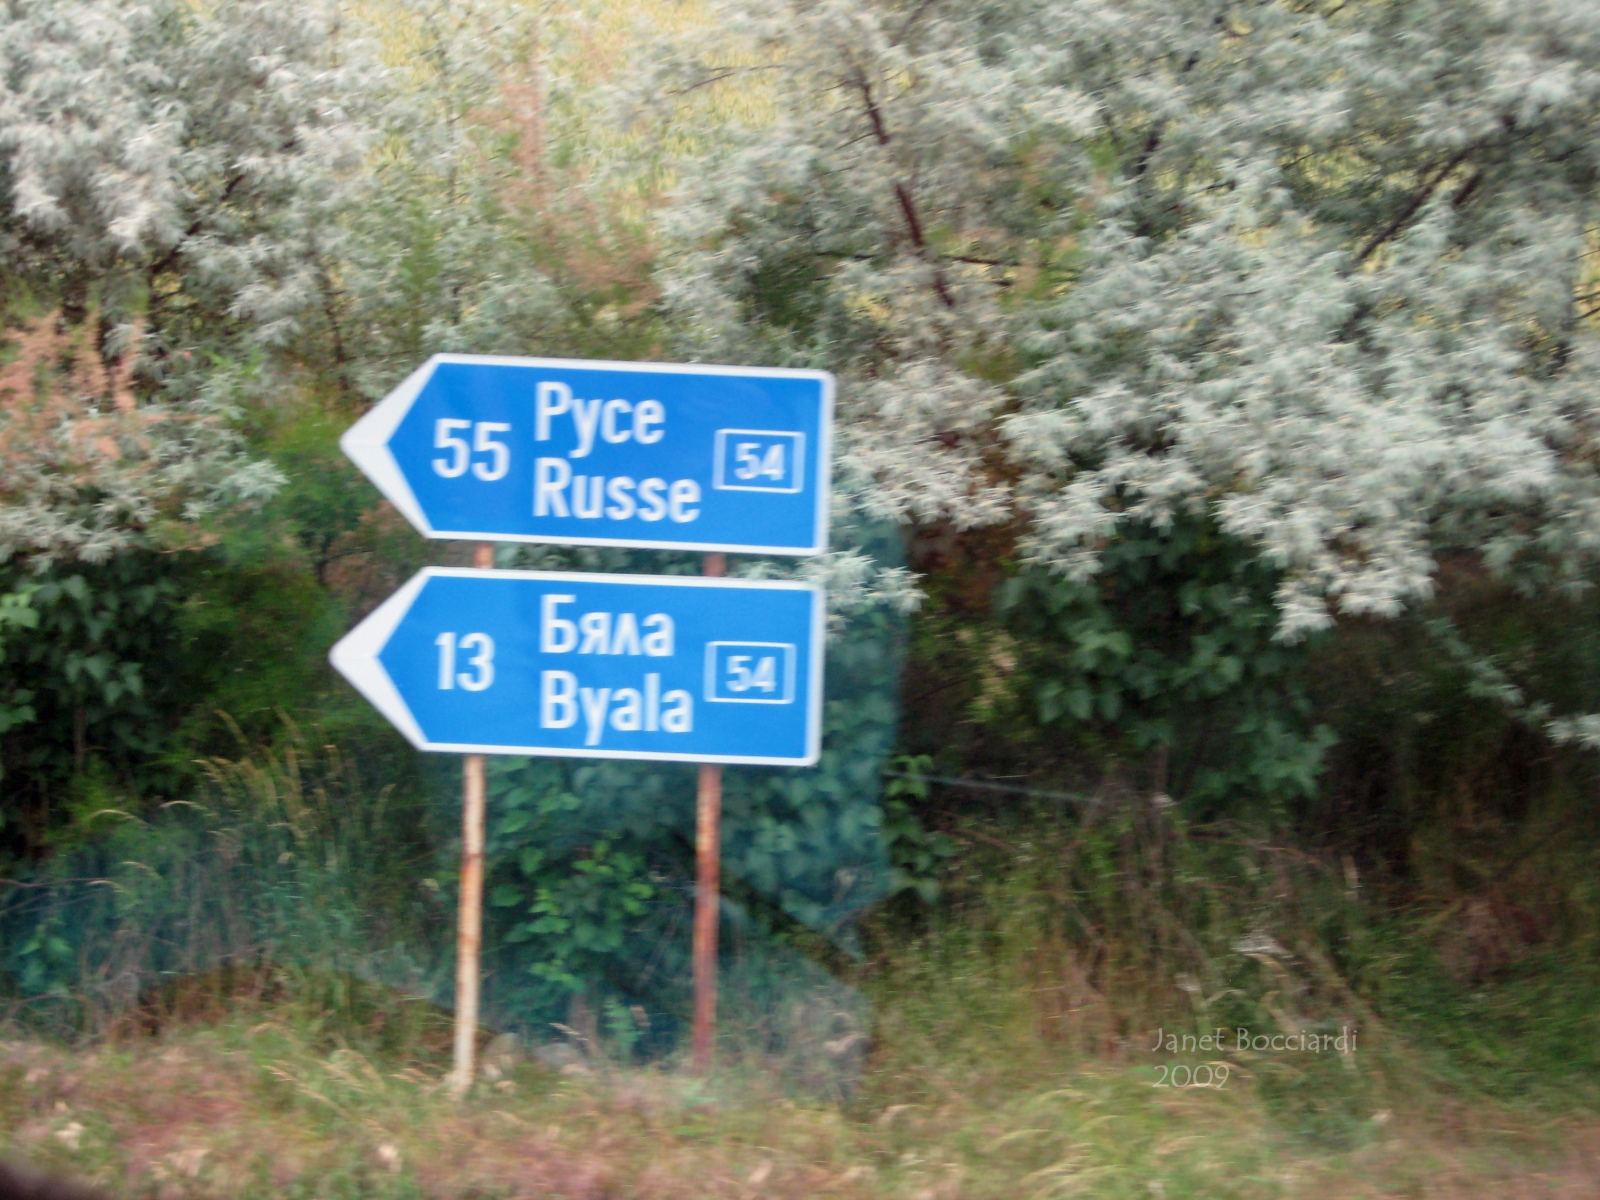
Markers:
point(1166, 661)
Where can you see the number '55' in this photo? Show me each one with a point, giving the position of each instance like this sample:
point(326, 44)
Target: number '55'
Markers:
point(483, 442)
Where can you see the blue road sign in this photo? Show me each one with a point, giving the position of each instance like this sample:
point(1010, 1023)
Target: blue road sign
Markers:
point(605, 454)
point(674, 668)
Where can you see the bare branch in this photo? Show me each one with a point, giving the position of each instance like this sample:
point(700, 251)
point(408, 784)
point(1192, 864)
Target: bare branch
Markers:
point(908, 204)
point(1467, 189)
point(171, 255)
point(874, 114)
point(728, 74)
point(1418, 199)
point(899, 38)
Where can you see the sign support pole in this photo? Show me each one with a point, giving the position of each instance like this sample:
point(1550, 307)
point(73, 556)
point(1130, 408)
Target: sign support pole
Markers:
point(707, 900)
point(469, 916)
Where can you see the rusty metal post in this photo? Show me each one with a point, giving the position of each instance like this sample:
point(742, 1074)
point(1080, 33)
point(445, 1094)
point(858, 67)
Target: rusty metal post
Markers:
point(469, 916)
point(707, 900)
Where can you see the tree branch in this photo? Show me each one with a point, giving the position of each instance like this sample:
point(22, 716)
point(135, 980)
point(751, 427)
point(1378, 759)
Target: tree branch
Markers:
point(728, 74)
point(908, 204)
point(1148, 150)
point(199, 223)
point(330, 310)
point(908, 207)
point(1421, 197)
point(1467, 189)
point(1157, 131)
point(915, 16)
point(874, 115)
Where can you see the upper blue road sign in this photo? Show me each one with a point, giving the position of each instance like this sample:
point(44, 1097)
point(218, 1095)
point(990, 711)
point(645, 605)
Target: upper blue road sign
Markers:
point(605, 454)
point(675, 668)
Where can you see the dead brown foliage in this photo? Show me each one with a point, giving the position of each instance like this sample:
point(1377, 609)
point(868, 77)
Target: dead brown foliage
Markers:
point(65, 405)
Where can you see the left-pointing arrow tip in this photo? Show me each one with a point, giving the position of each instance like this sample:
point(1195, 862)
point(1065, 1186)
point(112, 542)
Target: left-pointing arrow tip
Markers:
point(366, 443)
point(355, 656)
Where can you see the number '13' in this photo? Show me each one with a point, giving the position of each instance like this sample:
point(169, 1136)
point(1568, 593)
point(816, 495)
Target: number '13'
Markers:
point(482, 661)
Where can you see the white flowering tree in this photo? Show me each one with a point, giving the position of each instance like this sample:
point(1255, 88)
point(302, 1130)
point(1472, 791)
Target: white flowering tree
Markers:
point(168, 174)
point(1319, 269)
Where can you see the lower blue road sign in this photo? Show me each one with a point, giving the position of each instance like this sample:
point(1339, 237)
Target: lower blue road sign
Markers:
point(673, 668)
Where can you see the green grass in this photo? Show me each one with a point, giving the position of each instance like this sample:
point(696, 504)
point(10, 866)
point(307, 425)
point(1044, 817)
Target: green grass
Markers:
point(1007, 1051)
point(293, 1095)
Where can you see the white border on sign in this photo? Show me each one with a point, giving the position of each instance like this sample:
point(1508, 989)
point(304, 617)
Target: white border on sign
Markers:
point(355, 656)
point(367, 444)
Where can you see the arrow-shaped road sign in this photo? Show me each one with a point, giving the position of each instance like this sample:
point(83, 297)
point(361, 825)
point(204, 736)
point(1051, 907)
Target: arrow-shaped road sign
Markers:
point(605, 454)
point(674, 668)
